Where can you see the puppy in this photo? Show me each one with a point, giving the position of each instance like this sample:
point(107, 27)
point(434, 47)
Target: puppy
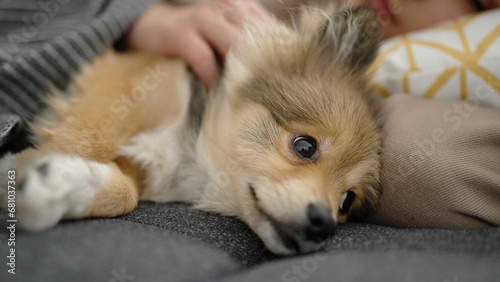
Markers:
point(286, 141)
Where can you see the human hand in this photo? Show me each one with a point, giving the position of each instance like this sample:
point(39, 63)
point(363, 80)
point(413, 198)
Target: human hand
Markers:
point(193, 32)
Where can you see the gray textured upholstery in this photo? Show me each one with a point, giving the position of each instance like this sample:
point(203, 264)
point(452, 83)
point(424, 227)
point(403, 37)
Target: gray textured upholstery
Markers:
point(173, 242)
point(377, 266)
point(100, 250)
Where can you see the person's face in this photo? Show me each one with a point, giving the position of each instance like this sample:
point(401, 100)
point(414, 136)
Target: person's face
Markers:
point(400, 16)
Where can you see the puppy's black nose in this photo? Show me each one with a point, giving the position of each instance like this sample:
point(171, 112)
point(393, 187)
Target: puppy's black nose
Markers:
point(321, 223)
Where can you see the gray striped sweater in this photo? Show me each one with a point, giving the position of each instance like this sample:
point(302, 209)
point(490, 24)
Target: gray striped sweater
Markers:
point(44, 42)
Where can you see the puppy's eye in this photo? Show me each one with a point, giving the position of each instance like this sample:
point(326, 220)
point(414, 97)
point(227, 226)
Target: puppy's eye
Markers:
point(304, 146)
point(346, 201)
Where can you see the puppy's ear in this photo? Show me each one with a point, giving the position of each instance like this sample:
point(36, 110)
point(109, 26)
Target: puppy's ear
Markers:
point(346, 41)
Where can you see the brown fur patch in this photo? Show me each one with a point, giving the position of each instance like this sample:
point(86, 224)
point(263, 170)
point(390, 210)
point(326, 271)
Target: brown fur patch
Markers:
point(118, 96)
point(119, 195)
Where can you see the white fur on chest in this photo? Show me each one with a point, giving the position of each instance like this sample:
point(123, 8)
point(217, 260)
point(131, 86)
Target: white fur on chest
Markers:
point(188, 166)
point(163, 155)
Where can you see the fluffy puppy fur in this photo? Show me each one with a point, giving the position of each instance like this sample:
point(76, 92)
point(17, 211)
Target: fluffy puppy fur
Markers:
point(286, 140)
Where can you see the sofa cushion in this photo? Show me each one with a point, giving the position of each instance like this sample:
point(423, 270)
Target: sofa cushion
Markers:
point(458, 60)
point(174, 242)
point(114, 250)
point(375, 266)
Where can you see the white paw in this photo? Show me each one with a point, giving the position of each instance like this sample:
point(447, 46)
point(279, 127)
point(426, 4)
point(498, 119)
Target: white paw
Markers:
point(55, 187)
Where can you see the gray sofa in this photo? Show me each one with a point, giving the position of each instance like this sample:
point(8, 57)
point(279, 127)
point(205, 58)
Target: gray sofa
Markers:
point(174, 242)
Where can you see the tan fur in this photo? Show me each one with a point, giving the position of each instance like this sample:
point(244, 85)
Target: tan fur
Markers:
point(102, 112)
point(323, 101)
point(119, 196)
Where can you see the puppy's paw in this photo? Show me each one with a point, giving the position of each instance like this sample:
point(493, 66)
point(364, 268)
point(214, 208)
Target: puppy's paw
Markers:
point(55, 187)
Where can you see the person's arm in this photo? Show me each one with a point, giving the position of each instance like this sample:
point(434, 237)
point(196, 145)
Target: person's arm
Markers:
point(44, 42)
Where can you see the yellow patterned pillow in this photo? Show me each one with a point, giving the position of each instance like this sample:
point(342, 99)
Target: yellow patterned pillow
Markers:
point(459, 59)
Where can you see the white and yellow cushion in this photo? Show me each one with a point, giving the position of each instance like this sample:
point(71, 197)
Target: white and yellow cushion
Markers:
point(459, 59)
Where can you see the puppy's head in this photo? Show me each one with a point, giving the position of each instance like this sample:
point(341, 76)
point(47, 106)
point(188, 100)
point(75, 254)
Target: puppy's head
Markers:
point(302, 129)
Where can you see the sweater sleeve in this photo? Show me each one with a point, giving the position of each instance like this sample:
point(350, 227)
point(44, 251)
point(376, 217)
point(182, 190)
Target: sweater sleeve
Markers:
point(44, 42)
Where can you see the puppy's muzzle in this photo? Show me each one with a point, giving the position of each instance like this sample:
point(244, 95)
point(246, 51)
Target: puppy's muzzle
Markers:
point(321, 223)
